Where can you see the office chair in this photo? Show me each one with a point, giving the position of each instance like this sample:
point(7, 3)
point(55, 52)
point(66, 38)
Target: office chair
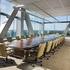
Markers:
point(53, 46)
point(9, 39)
point(33, 58)
point(4, 52)
point(48, 49)
point(18, 38)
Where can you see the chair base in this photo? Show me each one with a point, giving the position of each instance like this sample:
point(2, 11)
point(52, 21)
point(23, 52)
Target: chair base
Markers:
point(6, 63)
point(34, 62)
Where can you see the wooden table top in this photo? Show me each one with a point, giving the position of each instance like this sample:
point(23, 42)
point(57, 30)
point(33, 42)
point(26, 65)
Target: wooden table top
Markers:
point(29, 43)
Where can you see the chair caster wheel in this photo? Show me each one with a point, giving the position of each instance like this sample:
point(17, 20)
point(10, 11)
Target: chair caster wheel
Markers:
point(47, 58)
point(33, 65)
point(41, 65)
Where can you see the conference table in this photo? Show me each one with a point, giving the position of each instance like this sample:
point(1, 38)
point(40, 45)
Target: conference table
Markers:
point(29, 43)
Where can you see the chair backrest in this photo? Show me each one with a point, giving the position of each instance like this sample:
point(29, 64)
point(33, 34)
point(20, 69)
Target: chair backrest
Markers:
point(9, 39)
point(41, 50)
point(17, 38)
point(54, 44)
point(1, 40)
point(59, 41)
point(3, 51)
point(49, 45)
point(23, 36)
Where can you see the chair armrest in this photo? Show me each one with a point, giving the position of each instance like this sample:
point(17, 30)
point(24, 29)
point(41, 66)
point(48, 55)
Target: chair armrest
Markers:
point(9, 50)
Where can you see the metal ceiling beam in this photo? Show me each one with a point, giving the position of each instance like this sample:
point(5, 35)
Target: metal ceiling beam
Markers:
point(1, 13)
point(39, 17)
point(57, 22)
point(44, 11)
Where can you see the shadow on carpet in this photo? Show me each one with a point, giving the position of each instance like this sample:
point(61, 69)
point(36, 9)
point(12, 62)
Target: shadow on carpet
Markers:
point(25, 66)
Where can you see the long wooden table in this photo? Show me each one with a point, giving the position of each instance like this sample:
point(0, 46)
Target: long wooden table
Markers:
point(27, 44)
point(30, 43)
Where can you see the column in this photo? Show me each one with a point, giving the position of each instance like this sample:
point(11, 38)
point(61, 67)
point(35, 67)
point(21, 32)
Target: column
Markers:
point(28, 23)
point(20, 24)
point(42, 27)
point(22, 20)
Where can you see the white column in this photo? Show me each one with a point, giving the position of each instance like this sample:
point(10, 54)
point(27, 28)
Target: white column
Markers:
point(18, 27)
point(42, 27)
point(20, 24)
point(22, 20)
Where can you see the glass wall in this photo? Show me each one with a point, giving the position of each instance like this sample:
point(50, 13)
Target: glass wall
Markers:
point(7, 7)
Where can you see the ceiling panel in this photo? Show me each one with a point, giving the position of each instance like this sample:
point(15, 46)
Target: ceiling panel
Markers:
point(31, 8)
point(53, 7)
point(66, 3)
point(43, 5)
point(54, 4)
point(25, 2)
